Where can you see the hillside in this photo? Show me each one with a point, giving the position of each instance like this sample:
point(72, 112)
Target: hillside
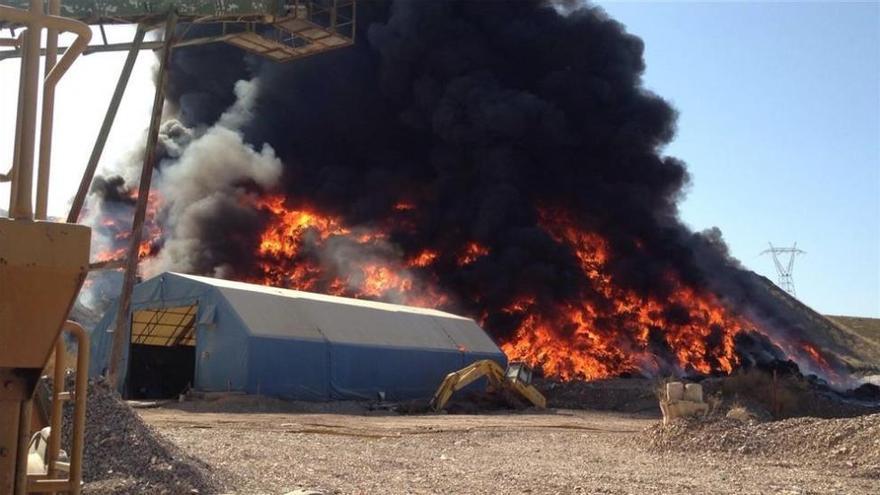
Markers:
point(858, 345)
point(868, 328)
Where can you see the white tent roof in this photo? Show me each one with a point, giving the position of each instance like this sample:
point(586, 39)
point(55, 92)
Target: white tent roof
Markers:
point(274, 312)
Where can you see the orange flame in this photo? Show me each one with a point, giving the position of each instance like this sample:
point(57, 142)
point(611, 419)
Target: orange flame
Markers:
point(151, 237)
point(285, 235)
point(811, 354)
point(283, 261)
point(471, 252)
point(610, 331)
point(424, 258)
point(596, 339)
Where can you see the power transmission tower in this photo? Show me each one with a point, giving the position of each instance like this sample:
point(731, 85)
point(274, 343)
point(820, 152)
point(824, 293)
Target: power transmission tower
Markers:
point(786, 282)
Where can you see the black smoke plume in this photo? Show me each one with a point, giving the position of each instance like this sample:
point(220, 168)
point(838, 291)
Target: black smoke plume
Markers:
point(481, 115)
point(479, 112)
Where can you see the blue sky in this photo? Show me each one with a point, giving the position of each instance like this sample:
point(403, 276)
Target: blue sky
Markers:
point(780, 126)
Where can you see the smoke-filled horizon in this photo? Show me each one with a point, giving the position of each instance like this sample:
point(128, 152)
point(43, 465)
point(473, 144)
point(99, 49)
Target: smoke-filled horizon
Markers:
point(507, 134)
point(481, 111)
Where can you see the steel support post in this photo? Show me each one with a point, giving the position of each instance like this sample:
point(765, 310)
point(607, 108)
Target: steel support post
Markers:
point(10, 408)
point(123, 325)
point(55, 418)
point(13, 182)
point(24, 429)
point(46, 118)
point(89, 174)
point(27, 118)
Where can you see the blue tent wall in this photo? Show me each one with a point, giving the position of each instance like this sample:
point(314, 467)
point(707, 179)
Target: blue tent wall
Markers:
point(236, 354)
point(290, 368)
point(100, 341)
point(221, 347)
point(221, 339)
point(401, 373)
point(315, 370)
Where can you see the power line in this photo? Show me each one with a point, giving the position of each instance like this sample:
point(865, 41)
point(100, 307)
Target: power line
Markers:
point(784, 269)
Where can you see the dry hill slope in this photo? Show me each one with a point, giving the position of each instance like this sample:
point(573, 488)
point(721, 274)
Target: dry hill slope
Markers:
point(868, 328)
point(858, 347)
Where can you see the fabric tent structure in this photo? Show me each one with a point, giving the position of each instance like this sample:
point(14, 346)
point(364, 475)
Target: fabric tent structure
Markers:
point(287, 343)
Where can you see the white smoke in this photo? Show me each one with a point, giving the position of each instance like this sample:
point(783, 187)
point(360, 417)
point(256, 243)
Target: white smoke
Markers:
point(209, 169)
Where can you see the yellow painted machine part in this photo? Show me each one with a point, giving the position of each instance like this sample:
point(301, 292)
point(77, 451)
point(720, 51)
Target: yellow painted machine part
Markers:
point(457, 380)
point(42, 265)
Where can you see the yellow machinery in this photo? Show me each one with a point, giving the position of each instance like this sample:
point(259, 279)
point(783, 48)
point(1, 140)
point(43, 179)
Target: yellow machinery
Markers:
point(42, 267)
point(43, 264)
point(279, 30)
point(517, 378)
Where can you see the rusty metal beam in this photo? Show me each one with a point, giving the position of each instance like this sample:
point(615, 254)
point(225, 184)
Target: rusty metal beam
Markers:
point(13, 186)
point(121, 47)
point(113, 264)
point(123, 325)
point(89, 174)
point(24, 427)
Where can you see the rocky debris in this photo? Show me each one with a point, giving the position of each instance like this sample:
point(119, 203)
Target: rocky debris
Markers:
point(866, 392)
point(781, 396)
point(123, 455)
point(569, 452)
point(854, 442)
point(633, 395)
point(744, 414)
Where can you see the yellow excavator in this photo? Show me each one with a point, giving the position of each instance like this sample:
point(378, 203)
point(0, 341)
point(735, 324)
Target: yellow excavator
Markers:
point(516, 378)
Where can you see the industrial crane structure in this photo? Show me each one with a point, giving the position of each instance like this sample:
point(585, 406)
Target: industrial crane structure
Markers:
point(43, 264)
point(281, 30)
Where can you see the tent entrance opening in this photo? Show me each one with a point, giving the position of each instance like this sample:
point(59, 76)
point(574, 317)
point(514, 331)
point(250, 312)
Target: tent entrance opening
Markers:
point(162, 356)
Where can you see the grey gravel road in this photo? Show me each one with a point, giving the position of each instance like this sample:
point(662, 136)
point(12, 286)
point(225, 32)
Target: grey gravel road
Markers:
point(565, 452)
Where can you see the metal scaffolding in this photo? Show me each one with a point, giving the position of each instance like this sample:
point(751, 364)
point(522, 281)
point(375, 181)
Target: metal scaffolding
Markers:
point(47, 262)
point(280, 30)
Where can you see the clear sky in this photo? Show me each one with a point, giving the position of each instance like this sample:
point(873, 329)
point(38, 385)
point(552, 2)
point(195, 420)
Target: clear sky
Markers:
point(779, 122)
point(780, 126)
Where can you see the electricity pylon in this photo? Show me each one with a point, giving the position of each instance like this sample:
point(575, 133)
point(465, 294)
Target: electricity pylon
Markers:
point(786, 282)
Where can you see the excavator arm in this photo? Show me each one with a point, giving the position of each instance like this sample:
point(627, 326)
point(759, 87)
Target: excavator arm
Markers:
point(516, 378)
point(457, 380)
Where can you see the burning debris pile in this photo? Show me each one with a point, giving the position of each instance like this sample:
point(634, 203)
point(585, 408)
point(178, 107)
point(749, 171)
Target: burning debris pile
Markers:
point(497, 159)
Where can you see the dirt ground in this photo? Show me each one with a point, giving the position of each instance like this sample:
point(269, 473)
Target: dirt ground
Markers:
point(564, 451)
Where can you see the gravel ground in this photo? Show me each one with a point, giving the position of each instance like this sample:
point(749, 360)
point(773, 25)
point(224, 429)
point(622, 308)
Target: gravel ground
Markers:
point(556, 452)
point(847, 442)
point(123, 455)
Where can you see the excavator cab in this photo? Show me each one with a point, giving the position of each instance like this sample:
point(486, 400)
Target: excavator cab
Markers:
point(517, 378)
point(520, 372)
